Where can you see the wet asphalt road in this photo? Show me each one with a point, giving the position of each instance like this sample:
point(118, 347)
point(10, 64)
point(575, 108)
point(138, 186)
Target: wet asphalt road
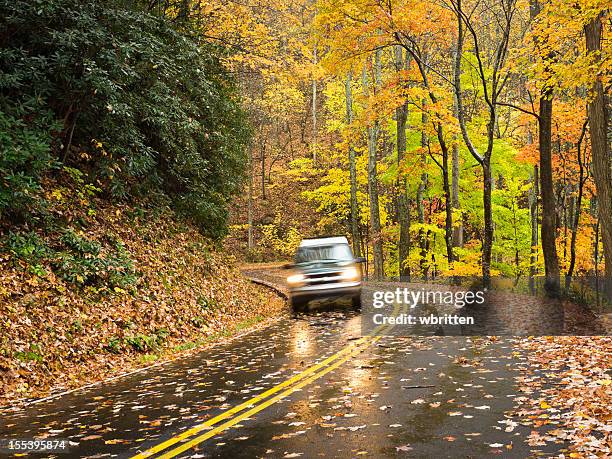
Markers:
point(401, 397)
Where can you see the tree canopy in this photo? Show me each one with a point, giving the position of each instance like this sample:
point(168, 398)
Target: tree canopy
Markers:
point(140, 102)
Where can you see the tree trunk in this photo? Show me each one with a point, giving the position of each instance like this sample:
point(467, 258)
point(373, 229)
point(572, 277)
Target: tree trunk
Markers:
point(353, 171)
point(448, 226)
point(372, 132)
point(250, 203)
point(517, 258)
point(533, 209)
point(487, 240)
point(549, 227)
point(458, 228)
point(314, 109)
point(262, 163)
point(403, 205)
point(602, 157)
point(577, 210)
point(534, 9)
point(549, 220)
point(420, 191)
point(448, 208)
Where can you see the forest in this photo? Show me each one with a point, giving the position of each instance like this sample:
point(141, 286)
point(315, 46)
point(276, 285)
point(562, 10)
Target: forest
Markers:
point(447, 138)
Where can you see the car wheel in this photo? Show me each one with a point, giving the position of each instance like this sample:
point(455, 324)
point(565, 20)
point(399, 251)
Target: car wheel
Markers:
point(298, 305)
point(356, 300)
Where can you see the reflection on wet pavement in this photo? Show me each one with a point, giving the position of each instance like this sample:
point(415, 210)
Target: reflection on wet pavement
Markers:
point(421, 397)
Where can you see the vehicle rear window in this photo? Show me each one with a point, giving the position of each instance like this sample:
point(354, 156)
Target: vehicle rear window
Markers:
point(340, 252)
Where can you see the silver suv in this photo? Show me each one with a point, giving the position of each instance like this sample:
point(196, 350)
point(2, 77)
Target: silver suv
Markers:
point(324, 268)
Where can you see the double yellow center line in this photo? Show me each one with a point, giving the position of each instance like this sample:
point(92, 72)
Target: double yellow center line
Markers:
point(303, 378)
point(259, 402)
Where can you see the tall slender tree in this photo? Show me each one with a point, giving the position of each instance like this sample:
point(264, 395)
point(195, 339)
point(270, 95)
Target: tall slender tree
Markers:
point(492, 84)
point(403, 203)
point(599, 124)
point(549, 212)
point(348, 92)
point(373, 130)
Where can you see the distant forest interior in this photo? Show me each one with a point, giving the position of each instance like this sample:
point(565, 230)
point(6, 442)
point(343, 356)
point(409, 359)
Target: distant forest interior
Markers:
point(446, 138)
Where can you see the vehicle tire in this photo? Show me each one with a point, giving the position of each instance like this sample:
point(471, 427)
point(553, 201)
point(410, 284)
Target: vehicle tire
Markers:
point(298, 305)
point(356, 301)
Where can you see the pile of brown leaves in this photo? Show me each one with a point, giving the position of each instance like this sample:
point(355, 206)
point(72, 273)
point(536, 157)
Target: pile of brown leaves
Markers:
point(55, 335)
point(567, 387)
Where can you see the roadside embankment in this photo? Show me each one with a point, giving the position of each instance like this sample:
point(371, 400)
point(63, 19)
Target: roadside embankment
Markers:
point(115, 288)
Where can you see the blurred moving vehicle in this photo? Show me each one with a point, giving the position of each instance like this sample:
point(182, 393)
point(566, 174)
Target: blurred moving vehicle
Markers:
point(324, 268)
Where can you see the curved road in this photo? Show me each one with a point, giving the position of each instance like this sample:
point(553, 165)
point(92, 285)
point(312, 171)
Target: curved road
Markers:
point(390, 397)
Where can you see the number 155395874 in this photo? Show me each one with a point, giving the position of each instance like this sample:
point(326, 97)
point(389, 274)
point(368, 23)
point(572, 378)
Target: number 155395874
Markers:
point(31, 445)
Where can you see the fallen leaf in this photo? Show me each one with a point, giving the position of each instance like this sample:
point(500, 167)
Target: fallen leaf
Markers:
point(91, 437)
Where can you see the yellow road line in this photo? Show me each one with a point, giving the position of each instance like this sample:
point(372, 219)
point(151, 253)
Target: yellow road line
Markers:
point(351, 349)
point(226, 425)
point(194, 430)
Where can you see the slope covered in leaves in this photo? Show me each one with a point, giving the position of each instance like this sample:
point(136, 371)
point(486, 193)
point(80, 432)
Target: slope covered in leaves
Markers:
point(566, 394)
point(115, 288)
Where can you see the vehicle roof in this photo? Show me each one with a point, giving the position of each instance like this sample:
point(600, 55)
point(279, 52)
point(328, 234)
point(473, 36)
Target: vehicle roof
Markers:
point(313, 242)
